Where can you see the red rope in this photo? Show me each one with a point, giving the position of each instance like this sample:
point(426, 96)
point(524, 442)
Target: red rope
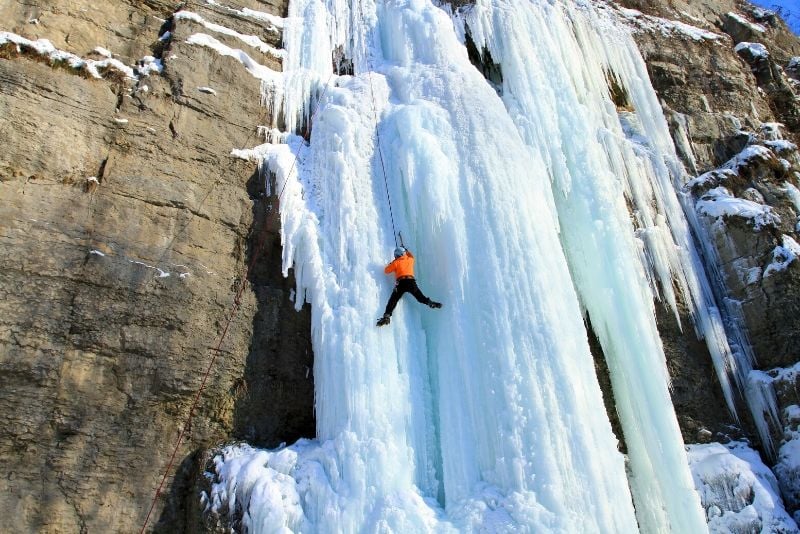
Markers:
point(231, 316)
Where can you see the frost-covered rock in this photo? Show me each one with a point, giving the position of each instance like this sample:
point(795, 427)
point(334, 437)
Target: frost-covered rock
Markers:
point(783, 256)
point(721, 204)
point(738, 492)
point(752, 51)
point(788, 467)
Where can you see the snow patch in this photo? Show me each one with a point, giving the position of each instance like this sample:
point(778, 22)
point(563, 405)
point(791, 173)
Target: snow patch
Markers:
point(781, 146)
point(161, 273)
point(758, 28)
point(747, 156)
point(276, 23)
point(738, 492)
point(256, 69)
point(148, 65)
point(783, 256)
point(756, 50)
point(719, 202)
point(102, 51)
point(251, 40)
point(641, 22)
point(207, 90)
point(45, 48)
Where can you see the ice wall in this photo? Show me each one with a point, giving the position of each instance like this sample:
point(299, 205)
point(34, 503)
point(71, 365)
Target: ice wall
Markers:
point(486, 414)
point(608, 160)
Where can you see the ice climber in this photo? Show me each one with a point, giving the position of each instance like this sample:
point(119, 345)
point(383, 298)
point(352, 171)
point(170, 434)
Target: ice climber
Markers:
point(403, 268)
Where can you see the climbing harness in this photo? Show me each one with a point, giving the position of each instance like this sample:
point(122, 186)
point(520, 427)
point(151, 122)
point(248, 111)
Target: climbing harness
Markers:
point(231, 316)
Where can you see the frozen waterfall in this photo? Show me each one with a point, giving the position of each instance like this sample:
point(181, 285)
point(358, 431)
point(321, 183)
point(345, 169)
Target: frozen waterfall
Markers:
point(516, 197)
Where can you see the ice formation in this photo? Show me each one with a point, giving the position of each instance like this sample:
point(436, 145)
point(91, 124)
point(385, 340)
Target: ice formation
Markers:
point(739, 492)
point(532, 204)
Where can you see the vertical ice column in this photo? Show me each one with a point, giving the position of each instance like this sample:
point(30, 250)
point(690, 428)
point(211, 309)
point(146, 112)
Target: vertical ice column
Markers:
point(556, 91)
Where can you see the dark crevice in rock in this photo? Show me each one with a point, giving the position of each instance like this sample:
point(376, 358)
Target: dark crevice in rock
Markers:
point(342, 65)
point(180, 512)
point(482, 59)
point(619, 94)
point(604, 378)
point(275, 397)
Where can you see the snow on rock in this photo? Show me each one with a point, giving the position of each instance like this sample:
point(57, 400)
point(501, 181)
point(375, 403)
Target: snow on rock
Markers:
point(641, 22)
point(788, 467)
point(251, 40)
point(758, 28)
point(754, 50)
point(751, 155)
point(253, 67)
point(45, 48)
point(771, 131)
point(783, 256)
point(738, 492)
point(102, 51)
point(710, 179)
point(148, 65)
point(747, 156)
point(275, 23)
point(781, 146)
point(720, 203)
point(207, 90)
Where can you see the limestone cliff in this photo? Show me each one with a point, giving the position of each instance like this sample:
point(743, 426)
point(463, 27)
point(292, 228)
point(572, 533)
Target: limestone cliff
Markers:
point(127, 229)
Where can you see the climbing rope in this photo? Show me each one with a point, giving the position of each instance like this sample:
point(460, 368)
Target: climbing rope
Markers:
point(231, 317)
point(380, 152)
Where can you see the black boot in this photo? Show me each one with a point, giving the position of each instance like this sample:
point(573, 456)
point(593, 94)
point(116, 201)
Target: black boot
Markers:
point(435, 305)
point(386, 319)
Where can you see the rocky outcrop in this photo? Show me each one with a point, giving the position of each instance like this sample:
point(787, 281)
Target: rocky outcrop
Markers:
point(126, 229)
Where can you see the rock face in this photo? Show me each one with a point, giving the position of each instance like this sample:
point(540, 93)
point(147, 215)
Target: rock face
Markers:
point(126, 229)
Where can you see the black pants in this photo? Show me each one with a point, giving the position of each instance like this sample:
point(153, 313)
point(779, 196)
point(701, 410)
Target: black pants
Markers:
point(405, 285)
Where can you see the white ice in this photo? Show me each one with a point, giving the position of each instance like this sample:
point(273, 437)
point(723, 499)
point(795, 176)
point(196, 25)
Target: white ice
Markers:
point(738, 492)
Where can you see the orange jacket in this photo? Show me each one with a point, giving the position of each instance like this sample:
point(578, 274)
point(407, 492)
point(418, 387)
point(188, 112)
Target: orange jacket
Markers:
point(402, 266)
